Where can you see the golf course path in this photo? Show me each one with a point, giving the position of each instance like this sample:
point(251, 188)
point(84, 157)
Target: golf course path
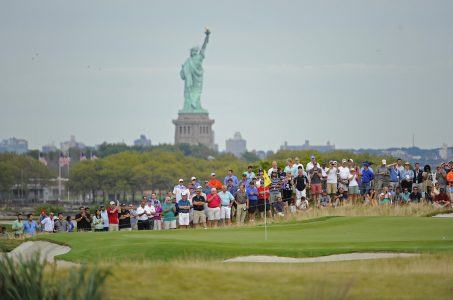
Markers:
point(328, 258)
point(47, 251)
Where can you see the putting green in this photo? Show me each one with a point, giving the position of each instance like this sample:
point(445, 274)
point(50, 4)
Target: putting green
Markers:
point(330, 235)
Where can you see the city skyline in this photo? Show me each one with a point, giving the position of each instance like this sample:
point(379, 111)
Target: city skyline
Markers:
point(337, 72)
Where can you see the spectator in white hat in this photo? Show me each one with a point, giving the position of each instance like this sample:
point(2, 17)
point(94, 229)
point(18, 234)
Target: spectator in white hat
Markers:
point(382, 176)
point(184, 210)
point(179, 189)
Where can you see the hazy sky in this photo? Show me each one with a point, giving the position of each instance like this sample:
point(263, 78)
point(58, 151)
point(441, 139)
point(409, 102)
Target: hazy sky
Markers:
point(357, 73)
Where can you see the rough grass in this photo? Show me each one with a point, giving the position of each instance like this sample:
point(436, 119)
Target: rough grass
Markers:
point(314, 237)
point(7, 245)
point(424, 277)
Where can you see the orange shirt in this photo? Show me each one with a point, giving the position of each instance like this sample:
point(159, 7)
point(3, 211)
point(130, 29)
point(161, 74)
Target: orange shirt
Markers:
point(215, 183)
point(450, 176)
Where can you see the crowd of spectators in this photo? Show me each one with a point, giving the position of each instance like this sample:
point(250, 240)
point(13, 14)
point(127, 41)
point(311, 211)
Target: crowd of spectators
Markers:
point(275, 193)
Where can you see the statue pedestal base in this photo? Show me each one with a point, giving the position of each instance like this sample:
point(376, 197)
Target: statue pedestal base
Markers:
point(194, 129)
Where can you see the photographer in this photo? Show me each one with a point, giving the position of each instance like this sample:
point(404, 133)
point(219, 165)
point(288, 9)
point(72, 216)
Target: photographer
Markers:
point(83, 220)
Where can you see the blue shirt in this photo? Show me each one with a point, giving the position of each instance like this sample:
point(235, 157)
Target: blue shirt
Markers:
point(250, 176)
point(394, 173)
point(183, 203)
point(235, 180)
point(253, 190)
point(367, 176)
point(30, 228)
point(225, 198)
point(405, 173)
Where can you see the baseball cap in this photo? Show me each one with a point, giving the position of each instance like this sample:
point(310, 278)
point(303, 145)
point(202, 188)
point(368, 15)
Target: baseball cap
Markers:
point(244, 174)
point(212, 174)
point(312, 156)
point(193, 178)
point(112, 202)
point(181, 180)
point(384, 162)
point(344, 160)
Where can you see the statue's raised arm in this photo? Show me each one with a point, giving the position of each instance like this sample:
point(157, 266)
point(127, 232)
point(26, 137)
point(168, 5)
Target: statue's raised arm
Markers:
point(206, 40)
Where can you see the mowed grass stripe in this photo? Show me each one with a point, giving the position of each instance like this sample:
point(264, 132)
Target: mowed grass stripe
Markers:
point(296, 239)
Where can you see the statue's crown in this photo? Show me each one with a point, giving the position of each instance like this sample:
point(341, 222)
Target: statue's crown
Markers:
point(195, 48)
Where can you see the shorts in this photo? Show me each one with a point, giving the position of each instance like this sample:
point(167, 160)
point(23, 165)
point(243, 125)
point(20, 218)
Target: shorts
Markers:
point(113, 227)
point(170, 224)
point(213, 213)
point(316, 188)
point(199, 217)
point(331, 188)
point(253, 206)
point(273, 196)
point(261, 206)
point(354, 190)
point(184, 219)
point(225, 212)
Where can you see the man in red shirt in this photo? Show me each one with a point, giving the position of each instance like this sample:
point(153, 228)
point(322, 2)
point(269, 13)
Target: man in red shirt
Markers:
point(263, 198)
point(112, 212)
point(213, 208)
point(214, 182)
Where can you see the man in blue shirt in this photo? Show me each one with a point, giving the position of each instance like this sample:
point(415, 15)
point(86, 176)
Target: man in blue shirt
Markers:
point(231, 176)
point(367, 177)
point(30, 226)
point(252, 194)
point(226, 200)
point(394, 176)
point(184, 211)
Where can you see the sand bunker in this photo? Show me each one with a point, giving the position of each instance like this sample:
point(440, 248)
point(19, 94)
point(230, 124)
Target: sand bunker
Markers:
point(329, 258)
point(444, 216)
point(47, 250)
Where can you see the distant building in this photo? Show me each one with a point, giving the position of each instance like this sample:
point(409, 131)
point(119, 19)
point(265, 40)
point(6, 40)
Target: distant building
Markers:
point(237, 145)
point(72, 143)
point(306, 146)
point(443, 151)
point(49, 148)
point(14, 145)
point(142, 141)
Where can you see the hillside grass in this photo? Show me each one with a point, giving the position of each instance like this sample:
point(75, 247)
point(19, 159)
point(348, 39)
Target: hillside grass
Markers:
point(424, 277)
point(314, 237)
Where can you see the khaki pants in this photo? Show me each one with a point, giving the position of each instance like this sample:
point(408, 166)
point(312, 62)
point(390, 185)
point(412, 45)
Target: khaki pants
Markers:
point(113, 227)
point(241, 212)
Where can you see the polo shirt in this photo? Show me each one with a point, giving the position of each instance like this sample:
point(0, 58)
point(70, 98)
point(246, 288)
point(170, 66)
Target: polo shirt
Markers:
point(198, 198)
point(126, 222)
point(225, 198)
point(394, 174)
point(48, 224)
point(252, 193)
point(30, 227)
point(178, 190)
point(184, 203)
point(241, 197)
point(367, 176)
point(214, 200)
point(233, 177)
point(113, 215)
point(167, 211)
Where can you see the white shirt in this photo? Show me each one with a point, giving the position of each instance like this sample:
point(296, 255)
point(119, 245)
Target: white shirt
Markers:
point(353, 180)
point(148, 210)
point(310, 166)
point(332, 175)
point(269, 172)
point(48, 224)
point(105, 217)
point(344, 172)
point(178, 190)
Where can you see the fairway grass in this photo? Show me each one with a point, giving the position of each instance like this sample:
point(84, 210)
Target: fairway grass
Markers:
point(315, 237)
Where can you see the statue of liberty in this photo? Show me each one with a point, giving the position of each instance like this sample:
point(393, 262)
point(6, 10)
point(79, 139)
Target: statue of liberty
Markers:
point(192, 74)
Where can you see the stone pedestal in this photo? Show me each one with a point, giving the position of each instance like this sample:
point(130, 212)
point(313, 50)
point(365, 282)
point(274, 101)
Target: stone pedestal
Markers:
point(194, 129)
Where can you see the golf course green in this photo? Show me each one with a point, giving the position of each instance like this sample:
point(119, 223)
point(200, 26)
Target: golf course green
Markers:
point(316, 237)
